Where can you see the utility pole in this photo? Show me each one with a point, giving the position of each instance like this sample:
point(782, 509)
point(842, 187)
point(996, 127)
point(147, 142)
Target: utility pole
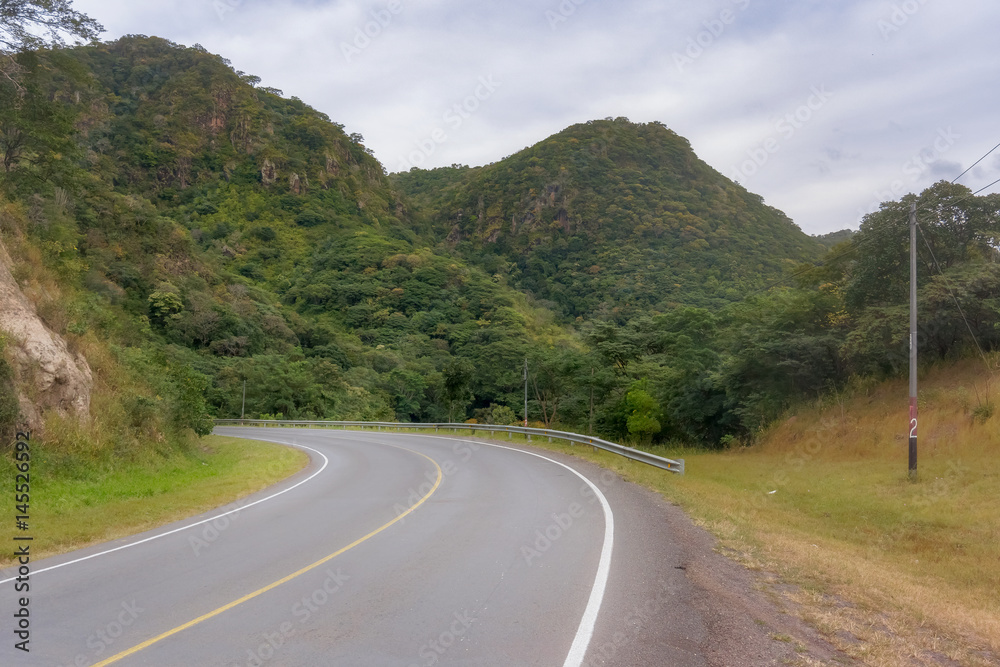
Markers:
point(913, 340)
point(526, 392)
point(243, 408)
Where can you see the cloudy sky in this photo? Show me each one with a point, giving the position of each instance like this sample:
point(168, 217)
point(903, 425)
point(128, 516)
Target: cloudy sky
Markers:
point(823, 107)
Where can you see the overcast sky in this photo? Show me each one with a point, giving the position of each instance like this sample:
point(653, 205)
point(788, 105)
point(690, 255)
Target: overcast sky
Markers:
point(823, 107)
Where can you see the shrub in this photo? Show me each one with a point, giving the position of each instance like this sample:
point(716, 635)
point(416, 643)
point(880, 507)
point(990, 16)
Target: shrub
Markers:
point(10, 411)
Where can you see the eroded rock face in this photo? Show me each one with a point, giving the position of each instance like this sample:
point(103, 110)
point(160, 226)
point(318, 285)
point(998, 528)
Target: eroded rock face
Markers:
point(48, 375)
point(268, 172)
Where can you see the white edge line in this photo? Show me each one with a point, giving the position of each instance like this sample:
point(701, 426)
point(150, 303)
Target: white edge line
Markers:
point(578, 650)
point(177, 530)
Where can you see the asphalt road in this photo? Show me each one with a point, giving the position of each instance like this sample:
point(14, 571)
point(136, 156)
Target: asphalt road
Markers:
point(387, 550)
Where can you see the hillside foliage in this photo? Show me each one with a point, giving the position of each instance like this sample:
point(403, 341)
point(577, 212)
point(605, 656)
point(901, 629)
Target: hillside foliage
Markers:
point(199, 233)
point(610, 218)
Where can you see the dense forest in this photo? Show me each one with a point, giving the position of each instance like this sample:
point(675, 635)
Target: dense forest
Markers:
point(189, 231)
point(610, 219)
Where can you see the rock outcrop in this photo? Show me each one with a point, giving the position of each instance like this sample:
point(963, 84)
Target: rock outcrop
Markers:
point(268, 172)
point(48, 375)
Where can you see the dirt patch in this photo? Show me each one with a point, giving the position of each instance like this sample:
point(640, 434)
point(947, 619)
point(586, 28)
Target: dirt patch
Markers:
point(48, 374)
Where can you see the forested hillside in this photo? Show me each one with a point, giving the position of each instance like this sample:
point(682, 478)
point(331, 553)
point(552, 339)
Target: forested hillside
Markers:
point(610, 218)
point(188, 231)
point(218, 233)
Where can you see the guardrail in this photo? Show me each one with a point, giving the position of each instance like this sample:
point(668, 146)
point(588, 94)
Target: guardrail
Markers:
point(673, 465)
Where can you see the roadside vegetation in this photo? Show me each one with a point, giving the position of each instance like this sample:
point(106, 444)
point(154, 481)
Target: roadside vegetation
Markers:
point(891, 571)
point(78, 501)
point(207, 232)
point(191, 233)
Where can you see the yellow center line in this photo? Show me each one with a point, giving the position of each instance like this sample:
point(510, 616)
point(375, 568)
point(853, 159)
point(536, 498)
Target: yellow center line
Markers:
point(261, 591)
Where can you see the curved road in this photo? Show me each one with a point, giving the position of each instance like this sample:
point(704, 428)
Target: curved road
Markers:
point(387, 550)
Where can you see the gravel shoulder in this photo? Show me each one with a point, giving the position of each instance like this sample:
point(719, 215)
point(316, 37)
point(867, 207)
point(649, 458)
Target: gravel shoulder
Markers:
point(675, 599)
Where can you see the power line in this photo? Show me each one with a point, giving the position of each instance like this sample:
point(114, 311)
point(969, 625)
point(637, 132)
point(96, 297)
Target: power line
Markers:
point(968, 196)
point(958, 305)
point(855, 246)
point(975, 163)
point(984, 188)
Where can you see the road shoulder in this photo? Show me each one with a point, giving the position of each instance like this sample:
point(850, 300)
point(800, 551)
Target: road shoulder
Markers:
point(675, 598)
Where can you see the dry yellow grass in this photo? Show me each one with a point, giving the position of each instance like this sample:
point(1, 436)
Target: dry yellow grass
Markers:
point(892, 571)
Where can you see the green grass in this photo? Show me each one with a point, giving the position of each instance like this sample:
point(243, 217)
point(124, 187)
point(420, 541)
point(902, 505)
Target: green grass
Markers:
point(892, 571)
point(73, 507)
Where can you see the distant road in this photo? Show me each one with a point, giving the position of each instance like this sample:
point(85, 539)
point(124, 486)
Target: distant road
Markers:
point(387, 550)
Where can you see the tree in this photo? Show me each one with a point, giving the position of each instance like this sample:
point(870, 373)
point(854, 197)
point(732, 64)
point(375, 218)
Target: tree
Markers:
point(189, 408)
point(783, 346)
point(164, 304)
point(457, 377)
point(36, 131)
point(21, 21)
point(27, 25)
point(642, 410)
point(954, 225)
point(555, 373)
point(501, 414)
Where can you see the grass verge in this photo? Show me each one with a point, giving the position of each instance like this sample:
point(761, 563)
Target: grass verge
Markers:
point(889, 570)
point(72, 508)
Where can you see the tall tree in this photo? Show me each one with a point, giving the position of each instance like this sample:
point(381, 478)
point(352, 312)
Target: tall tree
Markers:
point(33, 24)
point(32, 125)
point(955, 225)
point(27, 25)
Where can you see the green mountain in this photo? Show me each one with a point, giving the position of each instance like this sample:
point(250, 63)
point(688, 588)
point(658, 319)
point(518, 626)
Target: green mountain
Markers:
point(608, 218)
point(213, 233)
point(187, 233)
point(835, 238)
